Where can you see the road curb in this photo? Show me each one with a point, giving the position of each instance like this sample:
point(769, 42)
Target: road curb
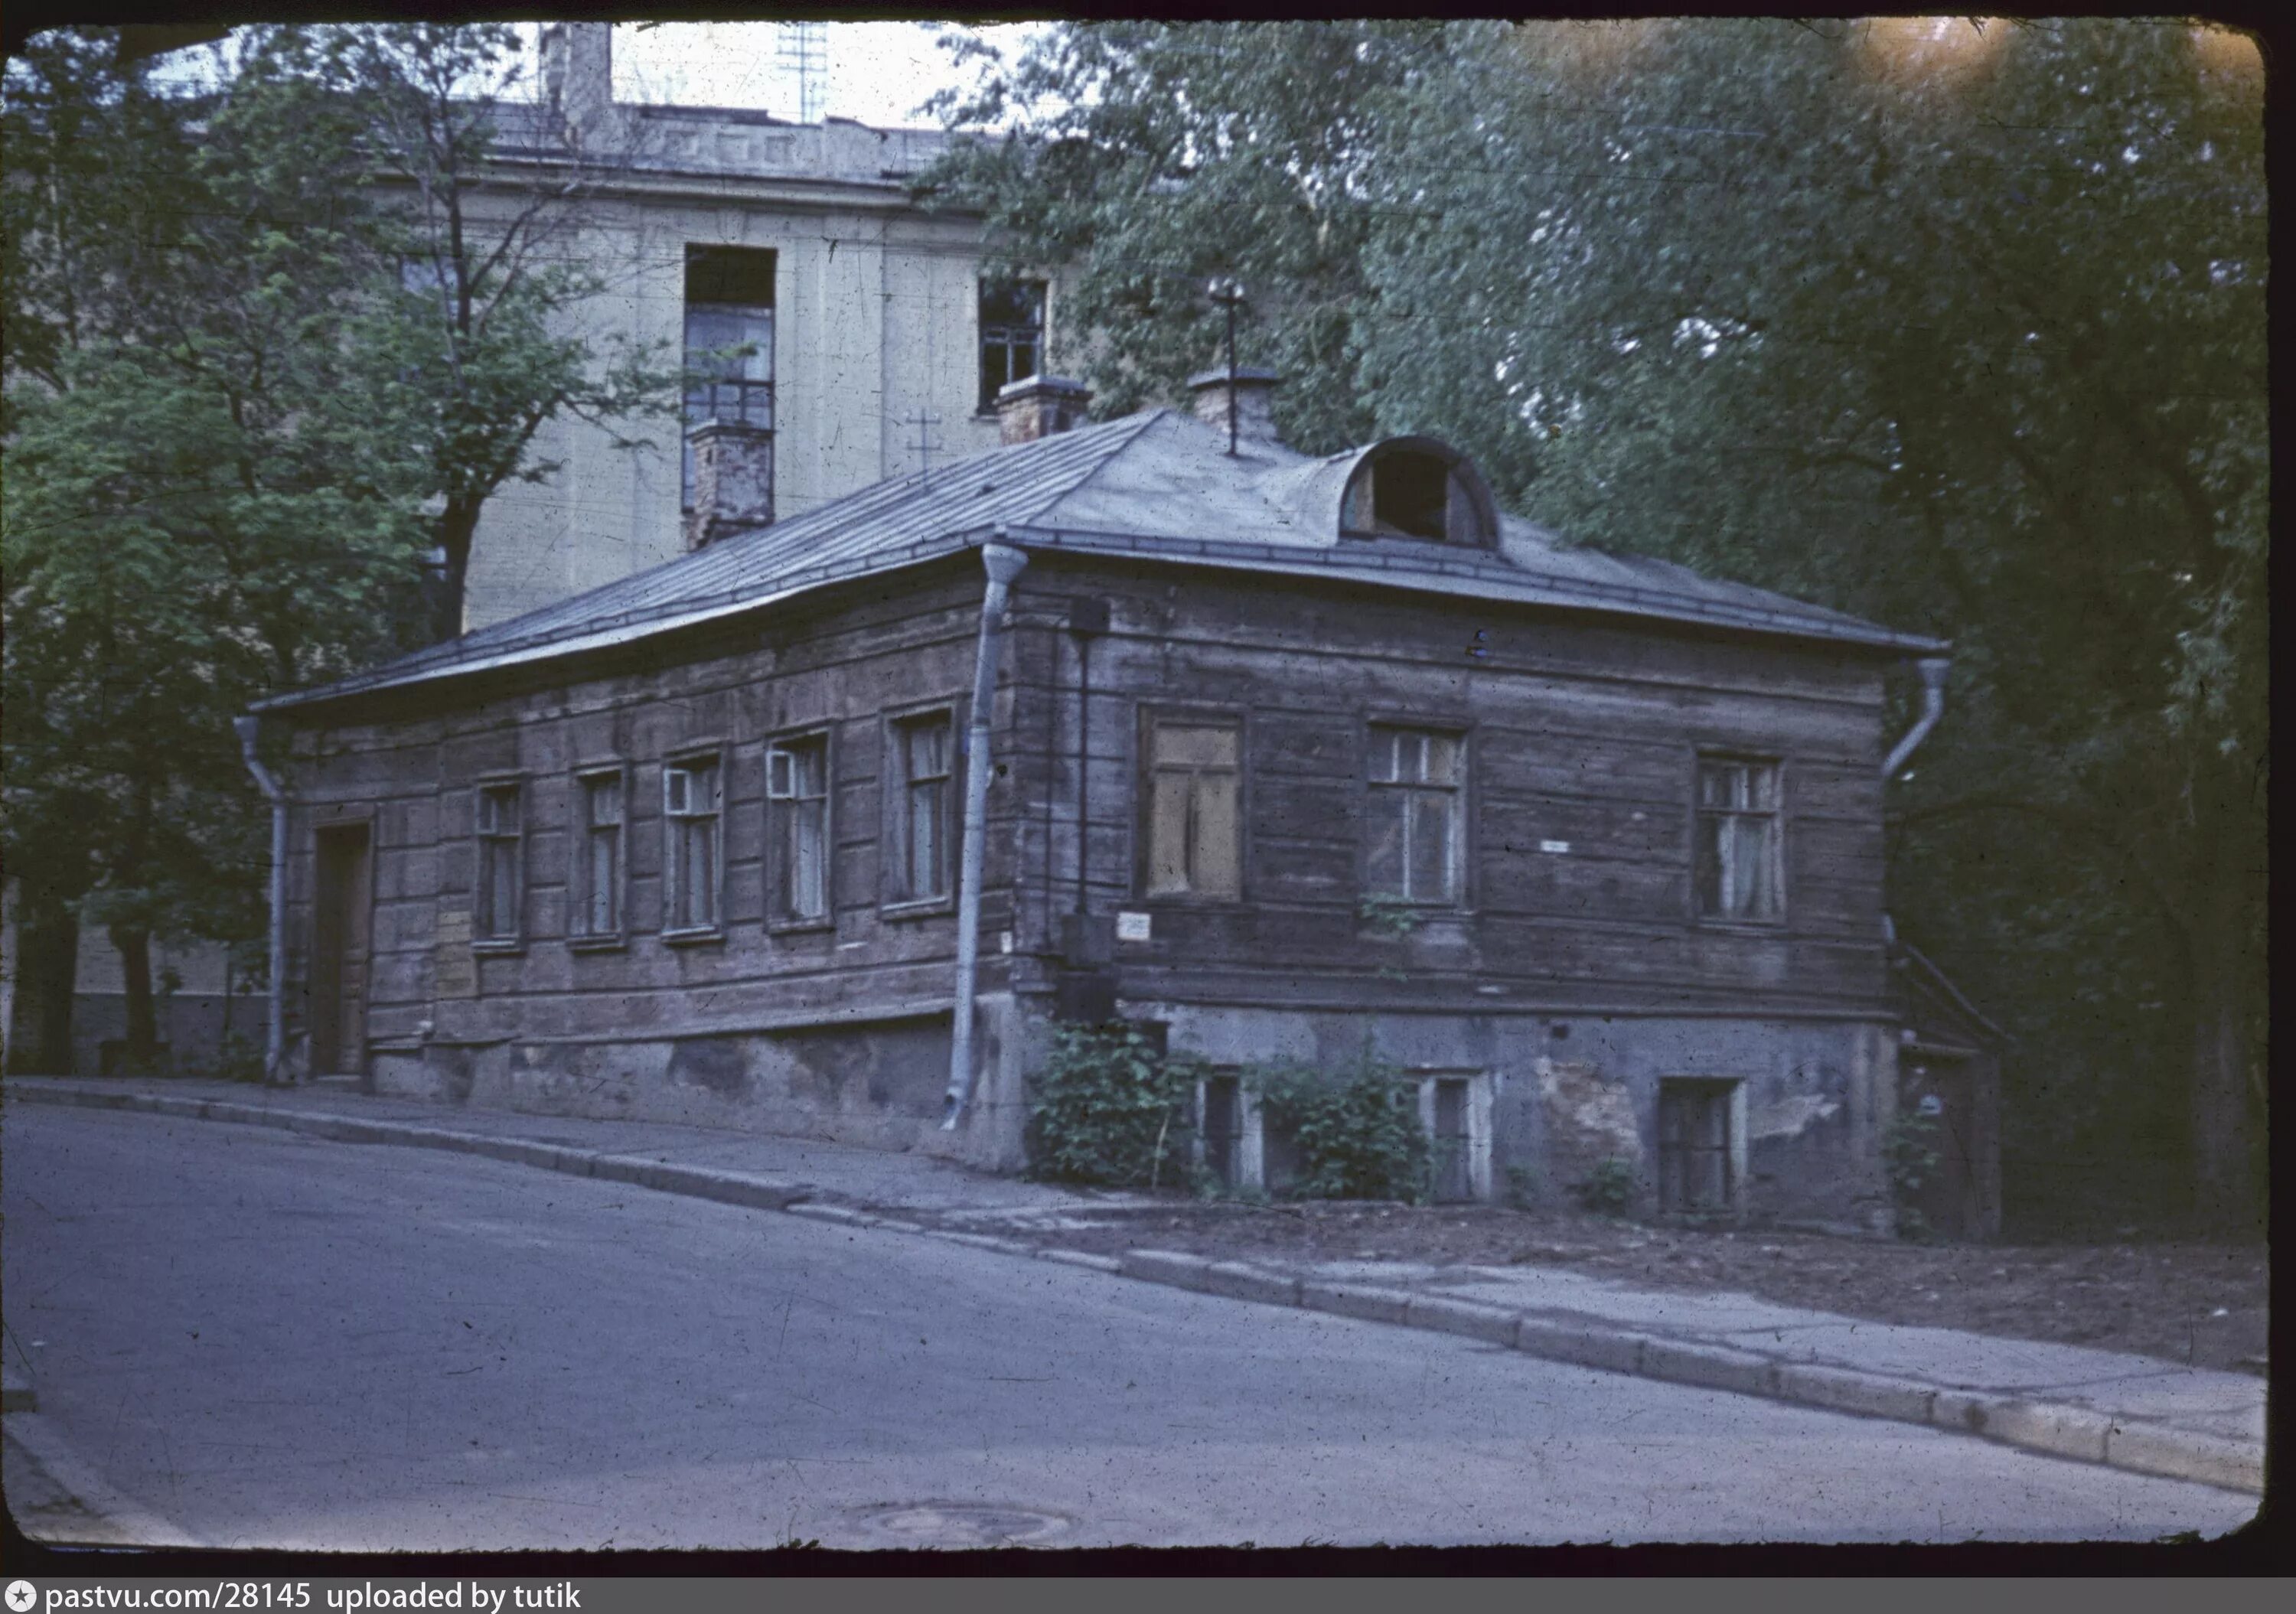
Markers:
point(2078, 1433)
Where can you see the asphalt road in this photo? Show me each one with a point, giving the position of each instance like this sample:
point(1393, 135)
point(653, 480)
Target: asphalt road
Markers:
point(273, 1342)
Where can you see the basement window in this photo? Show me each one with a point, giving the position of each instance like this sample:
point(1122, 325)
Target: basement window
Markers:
point(1698, 1145)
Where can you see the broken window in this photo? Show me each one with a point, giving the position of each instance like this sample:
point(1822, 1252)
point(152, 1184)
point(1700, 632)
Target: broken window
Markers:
point(1412, 819)
point(797, 806)
point(924, 776)
point(497, 915)
point(1696, 1169)
point(1737, 867)
point(729, 344)
point(597, 906)
point(1194, 831)
point(1012, 335)
point(692, 855)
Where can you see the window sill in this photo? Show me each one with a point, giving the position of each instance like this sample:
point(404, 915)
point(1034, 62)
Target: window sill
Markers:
point(598, 944)
point(923, 908)
point(800, 927)
point(1742, 927)
point(498, 949)
point(692, 938)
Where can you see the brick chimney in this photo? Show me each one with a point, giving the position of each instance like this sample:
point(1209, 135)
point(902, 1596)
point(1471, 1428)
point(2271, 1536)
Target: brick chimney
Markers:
point(1255, 422)
point(578, 72)
point(732, 481)
point(1039, 406)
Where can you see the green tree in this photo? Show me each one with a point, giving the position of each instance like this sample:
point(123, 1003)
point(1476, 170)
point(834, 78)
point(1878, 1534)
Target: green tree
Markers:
point(199, 508)
point(1959, 329)
point(475, 349)
point(271, 347)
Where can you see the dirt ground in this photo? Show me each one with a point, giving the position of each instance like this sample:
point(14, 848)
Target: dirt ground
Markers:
point(2198, 1303)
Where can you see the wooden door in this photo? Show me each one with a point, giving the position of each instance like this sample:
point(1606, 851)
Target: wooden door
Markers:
point(339, 952)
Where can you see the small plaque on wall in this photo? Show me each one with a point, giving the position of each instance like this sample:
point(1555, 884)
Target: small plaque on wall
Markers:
point(1133, 927)
point(458, 969)
point(1556, 847)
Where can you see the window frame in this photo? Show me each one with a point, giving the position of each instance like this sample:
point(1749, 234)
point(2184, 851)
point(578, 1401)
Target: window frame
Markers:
point(1149, 715)
point(982, 285)
point(893, 900)
point(1701, 758)
point(742, 388)
point(1729, 1092)
point(580, 831)
point(779, 917)
point(1452, 725)
point(712, 753)
point(513, 940)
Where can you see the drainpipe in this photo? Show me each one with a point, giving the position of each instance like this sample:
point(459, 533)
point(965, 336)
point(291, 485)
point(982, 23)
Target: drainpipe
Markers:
point(274, 1021)
point(1933, 670)
point(1003, 564)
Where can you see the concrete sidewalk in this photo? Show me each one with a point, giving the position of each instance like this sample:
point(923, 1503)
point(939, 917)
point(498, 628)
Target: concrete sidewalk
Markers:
point(2135, 1413)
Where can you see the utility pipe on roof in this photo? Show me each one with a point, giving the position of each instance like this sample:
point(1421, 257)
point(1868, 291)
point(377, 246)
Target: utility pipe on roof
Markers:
point(1933, 670)
point(274, 1018)
point(1003, 564)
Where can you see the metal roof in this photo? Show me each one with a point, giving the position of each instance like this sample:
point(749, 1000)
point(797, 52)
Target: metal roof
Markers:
point(1155, 486)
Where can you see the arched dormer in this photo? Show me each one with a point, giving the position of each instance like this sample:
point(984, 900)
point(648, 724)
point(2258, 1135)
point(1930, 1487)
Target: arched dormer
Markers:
point(1417, 487)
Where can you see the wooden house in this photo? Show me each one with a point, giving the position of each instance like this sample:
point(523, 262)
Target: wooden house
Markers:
point(1282, 754)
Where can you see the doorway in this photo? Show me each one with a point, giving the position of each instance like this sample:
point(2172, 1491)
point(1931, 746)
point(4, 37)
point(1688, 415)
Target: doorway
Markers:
point(339, 945)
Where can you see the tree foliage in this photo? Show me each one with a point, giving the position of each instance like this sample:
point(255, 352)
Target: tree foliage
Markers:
point(270, 348)
point(1959, 328)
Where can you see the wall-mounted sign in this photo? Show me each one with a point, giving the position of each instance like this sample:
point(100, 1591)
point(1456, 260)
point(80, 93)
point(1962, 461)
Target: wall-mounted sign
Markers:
point(1132, 927)
point(1556, 847)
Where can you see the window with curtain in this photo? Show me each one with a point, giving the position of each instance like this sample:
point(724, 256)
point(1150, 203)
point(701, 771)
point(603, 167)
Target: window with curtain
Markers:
point(1736, 871)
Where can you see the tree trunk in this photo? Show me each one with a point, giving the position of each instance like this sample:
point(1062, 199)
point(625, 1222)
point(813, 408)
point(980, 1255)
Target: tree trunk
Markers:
point(47, 955)
point(457, 525)
point(141, 1055)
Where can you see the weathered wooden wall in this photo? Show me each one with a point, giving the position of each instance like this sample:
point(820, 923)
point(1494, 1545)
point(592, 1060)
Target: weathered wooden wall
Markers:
point(1579, 731)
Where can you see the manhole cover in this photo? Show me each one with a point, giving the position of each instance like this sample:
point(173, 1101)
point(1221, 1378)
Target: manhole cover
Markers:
point(960, 1524)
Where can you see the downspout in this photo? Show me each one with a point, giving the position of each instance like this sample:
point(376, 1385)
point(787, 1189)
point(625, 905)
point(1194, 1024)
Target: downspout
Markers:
point(274, 1019)
point(1933, 670)
point(1003, 564)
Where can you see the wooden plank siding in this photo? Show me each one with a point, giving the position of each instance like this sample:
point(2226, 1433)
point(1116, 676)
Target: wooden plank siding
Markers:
point(1577, 730)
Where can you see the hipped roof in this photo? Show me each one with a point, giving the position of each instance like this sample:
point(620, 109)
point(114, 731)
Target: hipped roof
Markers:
point(1155, 486)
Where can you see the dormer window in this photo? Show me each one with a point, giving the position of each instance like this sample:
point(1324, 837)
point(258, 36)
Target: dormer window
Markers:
point(1417, 489)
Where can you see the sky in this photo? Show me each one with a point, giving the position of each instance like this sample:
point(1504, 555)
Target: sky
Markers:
point(879, 73)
